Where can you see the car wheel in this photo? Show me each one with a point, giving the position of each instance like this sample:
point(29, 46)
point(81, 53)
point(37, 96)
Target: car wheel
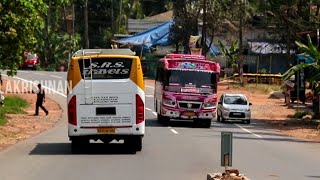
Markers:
point(246, 121)
point(222, 119)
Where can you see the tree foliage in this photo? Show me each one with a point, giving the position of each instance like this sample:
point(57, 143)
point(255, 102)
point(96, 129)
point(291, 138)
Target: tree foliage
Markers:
point(19, 21)
point(231, 53)
point(311, 50)
point(188, 14)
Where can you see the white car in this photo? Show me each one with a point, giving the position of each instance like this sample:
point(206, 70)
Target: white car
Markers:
point(234, 107)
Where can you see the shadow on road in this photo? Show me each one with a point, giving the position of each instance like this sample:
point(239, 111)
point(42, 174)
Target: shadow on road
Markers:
point(92, 148)
point(313, 177)
point(279, 139)
point(172, 123)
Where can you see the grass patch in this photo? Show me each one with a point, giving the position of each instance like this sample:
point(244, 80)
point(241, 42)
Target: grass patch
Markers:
point(13, 105)
point(264, 88)
point(299, 114)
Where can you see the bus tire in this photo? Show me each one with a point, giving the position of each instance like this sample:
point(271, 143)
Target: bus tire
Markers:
point(77, 144)
point(138, 143)
point(218, 118)
point(207, 123)
point(163, 120)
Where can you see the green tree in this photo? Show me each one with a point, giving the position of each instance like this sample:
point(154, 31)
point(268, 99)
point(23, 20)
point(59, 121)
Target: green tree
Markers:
point(311, 50)
point(19, 21)
point(231, 53)
point(185, 16)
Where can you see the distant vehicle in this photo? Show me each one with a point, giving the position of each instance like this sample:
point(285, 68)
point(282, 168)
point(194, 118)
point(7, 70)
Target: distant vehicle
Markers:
point(186, 88)
point(30, 61)
point(234, 107)
point(106, 100)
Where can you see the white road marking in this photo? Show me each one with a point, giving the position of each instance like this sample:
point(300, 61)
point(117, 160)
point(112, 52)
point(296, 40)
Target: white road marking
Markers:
point(151, 87)
point(40, 74)
point(43, 86)
point(174, 131)
point(149, 95)
point(151, 111)
point(248, 131)
point(56, 76)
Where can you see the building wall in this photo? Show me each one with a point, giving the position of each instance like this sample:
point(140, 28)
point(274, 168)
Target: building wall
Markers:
point(276, 64)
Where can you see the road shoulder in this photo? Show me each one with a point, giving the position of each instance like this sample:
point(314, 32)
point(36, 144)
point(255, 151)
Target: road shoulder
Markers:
point(23, 126)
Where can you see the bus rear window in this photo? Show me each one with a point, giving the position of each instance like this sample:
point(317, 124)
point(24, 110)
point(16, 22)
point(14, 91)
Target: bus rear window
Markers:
point(105, 68)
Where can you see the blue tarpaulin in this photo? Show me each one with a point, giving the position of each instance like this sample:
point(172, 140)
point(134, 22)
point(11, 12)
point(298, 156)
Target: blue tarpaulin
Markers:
point(157, 36)
point(305, 58)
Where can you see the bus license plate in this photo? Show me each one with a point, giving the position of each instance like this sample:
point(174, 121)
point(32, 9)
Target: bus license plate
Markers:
point(189, 114)
point(106, 130)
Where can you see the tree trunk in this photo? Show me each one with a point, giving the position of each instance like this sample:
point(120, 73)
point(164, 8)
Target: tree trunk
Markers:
point(86, 28)
point(204, 27)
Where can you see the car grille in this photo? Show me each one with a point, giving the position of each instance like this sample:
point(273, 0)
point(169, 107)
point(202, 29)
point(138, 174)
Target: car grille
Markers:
point(184, 105)
point(237, 115)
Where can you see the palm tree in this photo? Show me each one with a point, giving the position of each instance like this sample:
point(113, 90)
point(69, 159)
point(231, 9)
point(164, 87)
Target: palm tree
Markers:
point(310, 50)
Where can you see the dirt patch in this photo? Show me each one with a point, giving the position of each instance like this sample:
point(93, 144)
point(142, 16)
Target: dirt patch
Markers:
point(271, 110)
point(22, 126)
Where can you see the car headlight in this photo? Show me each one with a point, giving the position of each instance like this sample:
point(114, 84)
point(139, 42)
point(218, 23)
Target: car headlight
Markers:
point(226, 108)
point(247, 109)
point(209, 105)
point(168, 102)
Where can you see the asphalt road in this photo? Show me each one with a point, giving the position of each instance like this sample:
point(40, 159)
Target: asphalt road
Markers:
point(177, 152)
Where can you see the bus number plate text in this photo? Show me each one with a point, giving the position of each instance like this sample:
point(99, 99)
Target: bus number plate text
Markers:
point(106, 130)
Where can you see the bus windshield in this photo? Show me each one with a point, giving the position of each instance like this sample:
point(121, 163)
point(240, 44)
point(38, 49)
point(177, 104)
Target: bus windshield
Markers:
point(201, 82)
point(106, 68)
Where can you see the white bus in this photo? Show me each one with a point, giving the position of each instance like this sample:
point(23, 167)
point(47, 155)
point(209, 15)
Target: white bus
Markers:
point(106, 101)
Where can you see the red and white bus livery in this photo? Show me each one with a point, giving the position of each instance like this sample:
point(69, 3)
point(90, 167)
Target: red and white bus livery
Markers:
point(186, 88)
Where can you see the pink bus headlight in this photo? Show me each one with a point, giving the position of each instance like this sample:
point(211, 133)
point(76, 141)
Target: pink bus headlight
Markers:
point(209, 105)
point(169, 102)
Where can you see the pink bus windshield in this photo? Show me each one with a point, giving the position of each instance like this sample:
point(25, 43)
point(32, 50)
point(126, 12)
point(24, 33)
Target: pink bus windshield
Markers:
point(190, 81)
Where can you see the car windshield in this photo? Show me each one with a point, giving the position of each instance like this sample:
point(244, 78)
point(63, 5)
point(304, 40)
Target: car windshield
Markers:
point(31, 56)
point(234, 99)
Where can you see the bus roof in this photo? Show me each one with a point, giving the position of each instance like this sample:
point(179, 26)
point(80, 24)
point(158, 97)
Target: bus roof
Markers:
point(88, 52)
point(190, 62)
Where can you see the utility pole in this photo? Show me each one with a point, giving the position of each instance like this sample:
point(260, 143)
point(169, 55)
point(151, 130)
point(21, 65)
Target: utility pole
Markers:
point(86, 28)
point(318, 38)
point(240, 42)
point(120, 14)
point(112, 18)
point(204, 26)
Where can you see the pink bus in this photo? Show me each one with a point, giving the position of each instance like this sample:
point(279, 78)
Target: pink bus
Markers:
point(186, 88)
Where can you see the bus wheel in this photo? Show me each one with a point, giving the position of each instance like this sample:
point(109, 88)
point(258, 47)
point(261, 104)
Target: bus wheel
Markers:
point(77, 144)
point(163, 120)
point(207, 123)
point(138, 143)
point(218, 118)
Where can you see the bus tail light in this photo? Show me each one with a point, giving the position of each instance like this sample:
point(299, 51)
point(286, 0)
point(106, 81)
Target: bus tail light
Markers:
point(72, 111)
point(139, 110)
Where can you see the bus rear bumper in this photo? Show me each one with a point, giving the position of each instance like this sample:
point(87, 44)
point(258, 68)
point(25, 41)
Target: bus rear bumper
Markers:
point(106, 131)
